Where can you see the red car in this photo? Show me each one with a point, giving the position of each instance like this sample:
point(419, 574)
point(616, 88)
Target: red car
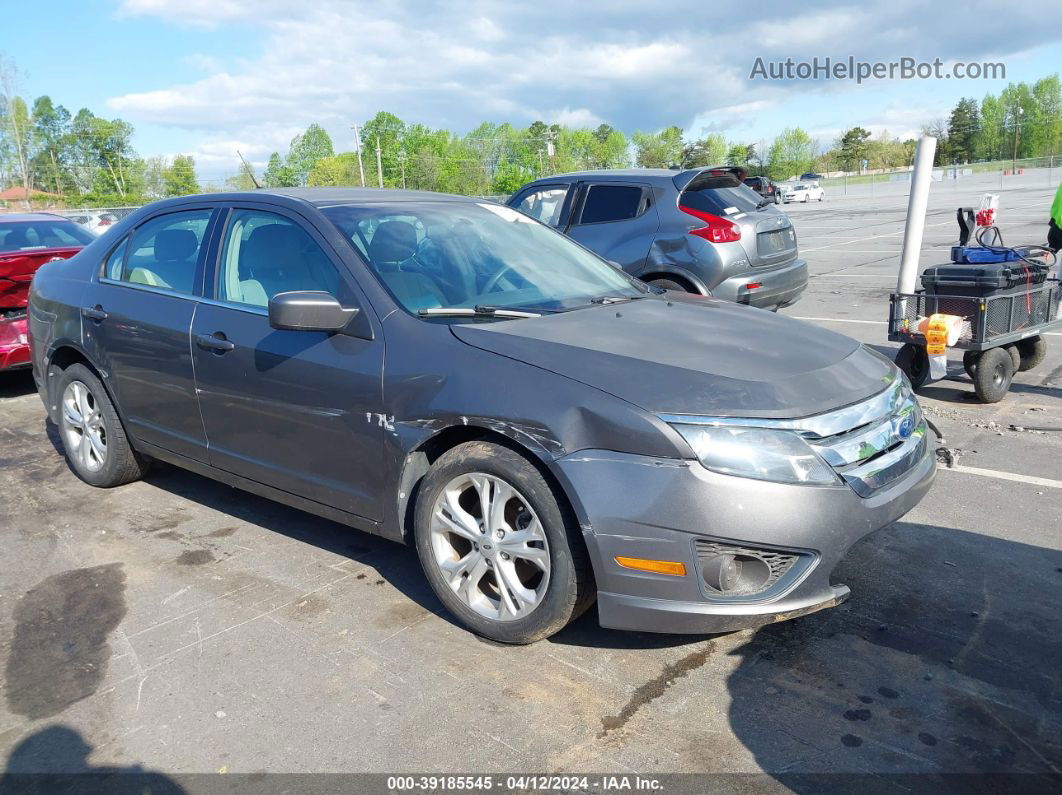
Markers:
point(27, 241)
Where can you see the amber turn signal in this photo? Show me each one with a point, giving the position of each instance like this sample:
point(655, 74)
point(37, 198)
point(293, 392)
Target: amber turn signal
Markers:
point(671, 567)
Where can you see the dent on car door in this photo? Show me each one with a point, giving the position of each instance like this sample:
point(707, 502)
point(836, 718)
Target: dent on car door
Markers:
point(296, 410)
point(136, 319)
point(617, 221)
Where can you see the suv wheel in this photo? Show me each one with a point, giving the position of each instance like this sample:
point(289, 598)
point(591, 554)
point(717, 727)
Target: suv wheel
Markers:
point(669, 284)
point(497, 547)
point(93, 437)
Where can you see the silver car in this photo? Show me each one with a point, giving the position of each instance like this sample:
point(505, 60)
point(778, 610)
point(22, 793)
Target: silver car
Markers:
point(699, 231)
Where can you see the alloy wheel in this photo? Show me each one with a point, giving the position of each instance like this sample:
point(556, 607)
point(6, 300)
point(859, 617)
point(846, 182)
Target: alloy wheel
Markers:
point(83, 428)
point(490, 546)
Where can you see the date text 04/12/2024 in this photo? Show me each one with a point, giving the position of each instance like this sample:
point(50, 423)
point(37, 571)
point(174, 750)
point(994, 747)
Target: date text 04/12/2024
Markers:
point(523, 783)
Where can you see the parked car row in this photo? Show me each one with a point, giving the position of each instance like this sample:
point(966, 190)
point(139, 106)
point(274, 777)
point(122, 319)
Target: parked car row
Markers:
point(544, 429)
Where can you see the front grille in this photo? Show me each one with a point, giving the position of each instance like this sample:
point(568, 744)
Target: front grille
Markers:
point(777, 562)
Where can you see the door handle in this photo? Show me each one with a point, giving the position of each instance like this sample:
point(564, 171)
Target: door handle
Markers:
point(94, 313)
point(214, 342)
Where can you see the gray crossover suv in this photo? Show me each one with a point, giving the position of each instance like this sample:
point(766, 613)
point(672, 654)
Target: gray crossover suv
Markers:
point(452, 374)
point(699, 231)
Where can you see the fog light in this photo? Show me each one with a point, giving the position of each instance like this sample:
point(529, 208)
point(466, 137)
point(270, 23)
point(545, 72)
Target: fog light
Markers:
point(735, 574)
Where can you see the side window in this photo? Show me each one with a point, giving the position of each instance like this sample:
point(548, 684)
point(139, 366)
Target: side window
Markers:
point(163, 252)
point(544, 203)
point(112, 268)
point(611, 203)
point(265, 254)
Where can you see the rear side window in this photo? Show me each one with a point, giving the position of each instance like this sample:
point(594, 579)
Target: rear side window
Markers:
point(611, 203)
point(164, 251)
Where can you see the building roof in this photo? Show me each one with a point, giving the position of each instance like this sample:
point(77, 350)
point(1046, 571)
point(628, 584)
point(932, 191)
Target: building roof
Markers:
point(16, 193)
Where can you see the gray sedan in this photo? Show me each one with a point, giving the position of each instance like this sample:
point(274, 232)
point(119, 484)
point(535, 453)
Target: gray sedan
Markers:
point(452, 374)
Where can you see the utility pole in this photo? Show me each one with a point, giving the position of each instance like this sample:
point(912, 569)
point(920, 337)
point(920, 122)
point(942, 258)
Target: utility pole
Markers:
point(402, 163)
point(357, 146)
point(1017, 129)
point(379, 167)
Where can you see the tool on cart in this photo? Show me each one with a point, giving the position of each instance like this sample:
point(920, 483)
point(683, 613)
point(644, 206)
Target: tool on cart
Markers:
point(992, 301)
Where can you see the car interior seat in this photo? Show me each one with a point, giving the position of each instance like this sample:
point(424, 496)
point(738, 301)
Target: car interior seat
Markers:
point(394, 244)
point(174, 261)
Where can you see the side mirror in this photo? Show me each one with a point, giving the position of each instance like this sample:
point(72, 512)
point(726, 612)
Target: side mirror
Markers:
point(308, 311)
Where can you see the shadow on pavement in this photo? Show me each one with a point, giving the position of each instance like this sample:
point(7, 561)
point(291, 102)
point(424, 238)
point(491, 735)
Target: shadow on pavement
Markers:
point(16, 383)
point(55, 759)
point(944, 661)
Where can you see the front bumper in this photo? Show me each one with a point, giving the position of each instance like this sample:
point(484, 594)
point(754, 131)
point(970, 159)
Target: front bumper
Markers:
point(653, 508)
point(778, 287)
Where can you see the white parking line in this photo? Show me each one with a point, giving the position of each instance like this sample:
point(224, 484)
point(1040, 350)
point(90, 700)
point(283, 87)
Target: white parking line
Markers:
point(1032, 480)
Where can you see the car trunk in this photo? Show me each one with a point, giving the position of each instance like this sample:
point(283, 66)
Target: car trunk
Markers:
point(17, 269)
point(767, 236)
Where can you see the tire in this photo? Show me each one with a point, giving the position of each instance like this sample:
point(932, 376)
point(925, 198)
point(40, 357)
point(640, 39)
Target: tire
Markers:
point(1015, 356)
point(993, 375)
point(1032, 352)
point(669, 284)
point(549, 571)
point(806, 198)
point(969, 362)
point(822, 197)
point(914, 362)
point(96, 446)
point(776, 199)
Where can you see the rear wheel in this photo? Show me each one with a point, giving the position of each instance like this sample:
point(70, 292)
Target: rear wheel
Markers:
point(93, 437)
point(498, 548)
point(914, 361)
point(670, 284)
point(1031, 352)
point(993, 375)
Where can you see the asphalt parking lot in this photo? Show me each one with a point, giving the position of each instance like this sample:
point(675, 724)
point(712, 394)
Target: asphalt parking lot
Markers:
point(184, 627)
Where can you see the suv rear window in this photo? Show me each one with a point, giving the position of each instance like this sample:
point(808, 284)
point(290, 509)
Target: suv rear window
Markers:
point(717, 193)
point(611, 203)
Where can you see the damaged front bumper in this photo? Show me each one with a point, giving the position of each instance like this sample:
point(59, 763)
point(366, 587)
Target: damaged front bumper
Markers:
point(676, 510)
point(14, 340)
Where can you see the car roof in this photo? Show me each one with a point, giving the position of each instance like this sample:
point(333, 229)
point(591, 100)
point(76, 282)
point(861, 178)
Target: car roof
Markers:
point(27, 217)
point(326, 196)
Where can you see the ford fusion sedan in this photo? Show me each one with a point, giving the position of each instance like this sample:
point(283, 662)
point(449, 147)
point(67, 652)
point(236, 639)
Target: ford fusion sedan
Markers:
point(699, 231)
point(452, 374)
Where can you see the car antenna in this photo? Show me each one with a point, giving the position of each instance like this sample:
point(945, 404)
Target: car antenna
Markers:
point(250, 171)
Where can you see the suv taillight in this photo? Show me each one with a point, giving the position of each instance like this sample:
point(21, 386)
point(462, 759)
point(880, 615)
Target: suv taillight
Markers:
point(718, 230)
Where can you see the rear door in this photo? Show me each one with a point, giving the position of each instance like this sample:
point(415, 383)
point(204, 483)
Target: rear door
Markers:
point(301, 411)
point(617, 220)
point(767, 236)
point(135, 323)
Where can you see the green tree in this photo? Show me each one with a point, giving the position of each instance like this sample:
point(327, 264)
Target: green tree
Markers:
point(179, 177)
point(964, 129)
point(305, 150)
point(853, 146)
point(708, 151)
point(990, 140)
point(791, 153)
point(50, 139)
point(662, 149)
point(278, 174)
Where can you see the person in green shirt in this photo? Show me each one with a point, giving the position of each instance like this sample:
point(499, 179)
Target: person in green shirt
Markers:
point(1054, 227)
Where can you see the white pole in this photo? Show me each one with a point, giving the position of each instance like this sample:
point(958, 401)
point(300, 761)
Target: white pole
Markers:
point(357, 145)
point(916, 214)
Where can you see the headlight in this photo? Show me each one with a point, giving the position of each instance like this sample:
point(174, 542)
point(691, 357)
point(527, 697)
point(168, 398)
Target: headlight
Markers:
point(761, 453)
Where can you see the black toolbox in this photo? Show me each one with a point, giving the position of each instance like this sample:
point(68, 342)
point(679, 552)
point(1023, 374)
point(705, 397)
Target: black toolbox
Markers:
point(990, 278)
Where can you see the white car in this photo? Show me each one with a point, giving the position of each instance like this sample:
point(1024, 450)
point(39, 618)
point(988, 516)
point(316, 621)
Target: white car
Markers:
point(94, 221)
point(803, 192)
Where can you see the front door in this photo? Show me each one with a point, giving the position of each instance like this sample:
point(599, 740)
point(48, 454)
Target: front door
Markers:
point(296, 410)
point(616, 220)
point(136, 320)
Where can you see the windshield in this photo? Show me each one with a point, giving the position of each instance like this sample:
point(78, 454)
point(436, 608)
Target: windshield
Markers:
point(450, 254)
point(34, 235)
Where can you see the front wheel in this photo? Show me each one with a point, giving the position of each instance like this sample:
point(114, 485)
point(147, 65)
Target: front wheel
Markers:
point(806, 198)
point(993, 375)
point(822, 197)
point(498, 548)
point(669, 284)
point(93, 437)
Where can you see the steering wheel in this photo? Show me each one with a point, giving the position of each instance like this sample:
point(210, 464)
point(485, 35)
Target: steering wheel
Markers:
point(492, 282)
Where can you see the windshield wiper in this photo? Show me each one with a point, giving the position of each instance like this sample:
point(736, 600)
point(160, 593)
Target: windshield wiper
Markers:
point(614, 299)
point(475, 311)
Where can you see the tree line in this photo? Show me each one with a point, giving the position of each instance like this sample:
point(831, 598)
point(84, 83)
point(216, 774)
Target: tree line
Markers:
point(81, 158)
point(89, 160)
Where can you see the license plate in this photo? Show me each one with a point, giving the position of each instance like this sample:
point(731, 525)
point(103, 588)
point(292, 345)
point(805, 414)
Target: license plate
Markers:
point(775, 241)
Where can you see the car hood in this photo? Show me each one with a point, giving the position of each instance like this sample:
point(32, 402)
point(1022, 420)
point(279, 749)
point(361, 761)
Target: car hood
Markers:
point(693, 356)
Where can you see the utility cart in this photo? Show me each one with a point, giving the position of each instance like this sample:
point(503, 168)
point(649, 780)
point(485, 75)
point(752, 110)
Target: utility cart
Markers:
point(1001, 333)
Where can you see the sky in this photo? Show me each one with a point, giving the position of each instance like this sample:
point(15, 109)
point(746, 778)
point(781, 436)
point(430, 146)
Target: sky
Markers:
point(208, 77)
